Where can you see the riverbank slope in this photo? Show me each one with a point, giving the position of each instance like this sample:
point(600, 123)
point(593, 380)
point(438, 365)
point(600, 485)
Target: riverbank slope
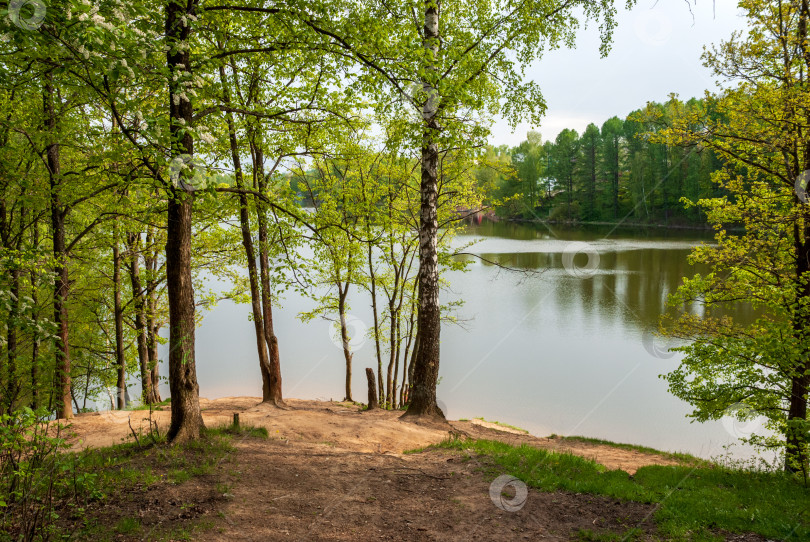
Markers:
point(331, 471)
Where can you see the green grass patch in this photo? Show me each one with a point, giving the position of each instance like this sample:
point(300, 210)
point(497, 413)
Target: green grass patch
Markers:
point(694, 502)
point(633, 535)
point(241, 430)
point(128, 526)
point(155, 406)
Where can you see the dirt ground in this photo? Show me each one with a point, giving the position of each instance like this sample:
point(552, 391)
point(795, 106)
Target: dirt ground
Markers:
point(332, 472)
point(340, 426)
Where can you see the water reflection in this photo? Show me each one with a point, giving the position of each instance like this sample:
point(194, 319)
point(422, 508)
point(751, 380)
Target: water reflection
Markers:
point(572, 353)
point(631, 284)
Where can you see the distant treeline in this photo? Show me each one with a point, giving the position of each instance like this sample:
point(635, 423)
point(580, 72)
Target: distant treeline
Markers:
point(608, 174)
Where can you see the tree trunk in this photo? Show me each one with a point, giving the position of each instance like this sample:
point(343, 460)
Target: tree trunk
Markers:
point(394, 403)
point(35, 318)
point(796, 441)
point(268, 395)
point(187, 420)
point(373, 291)
point(139, 303)
point(118, 312)
point(795, 451)
point(426, 365)
point(389, 380)
point(64, 410)
point(13, 386)
point(406, 366)
point(152, 326)
point(344, 336)
point(372, 390)
point(412, 361)
point(274, 372)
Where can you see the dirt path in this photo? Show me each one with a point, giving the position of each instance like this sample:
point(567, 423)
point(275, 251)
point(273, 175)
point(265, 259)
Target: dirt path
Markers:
point(300, 491)
point(331, 472)
point(344, 427)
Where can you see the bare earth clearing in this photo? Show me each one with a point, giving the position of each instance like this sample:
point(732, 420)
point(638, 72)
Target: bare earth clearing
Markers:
point(332, 472)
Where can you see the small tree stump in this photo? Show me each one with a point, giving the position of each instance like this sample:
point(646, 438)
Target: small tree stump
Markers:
point(372, 389)
point(236, 419)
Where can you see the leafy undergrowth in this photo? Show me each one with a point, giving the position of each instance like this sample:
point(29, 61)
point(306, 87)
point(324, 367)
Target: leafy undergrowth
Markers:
point(694, 502)
point(129, 491)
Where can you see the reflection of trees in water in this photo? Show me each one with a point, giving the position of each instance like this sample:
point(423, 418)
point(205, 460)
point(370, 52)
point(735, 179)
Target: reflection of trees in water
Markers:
point(524, 231)
point(629, 287)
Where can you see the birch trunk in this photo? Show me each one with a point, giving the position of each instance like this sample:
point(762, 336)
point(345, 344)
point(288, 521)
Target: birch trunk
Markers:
point(426, 363)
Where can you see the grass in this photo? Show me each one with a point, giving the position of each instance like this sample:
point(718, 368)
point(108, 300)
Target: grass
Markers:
point(514, 427)
point(241, 430)
point(694, 502)
point(154, 406)
point(633, 535)
point(128, 526)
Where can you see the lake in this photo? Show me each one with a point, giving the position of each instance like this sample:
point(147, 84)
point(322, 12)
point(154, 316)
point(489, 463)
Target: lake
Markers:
point(565, 348)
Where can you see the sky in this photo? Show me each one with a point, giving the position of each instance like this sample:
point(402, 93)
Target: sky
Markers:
point(656, 51)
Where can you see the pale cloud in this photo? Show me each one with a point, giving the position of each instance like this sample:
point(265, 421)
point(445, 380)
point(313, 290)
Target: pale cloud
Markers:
point(656, 51)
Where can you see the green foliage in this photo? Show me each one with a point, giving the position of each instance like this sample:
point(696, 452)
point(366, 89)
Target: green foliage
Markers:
point(363, 237)
point(47, 491)
point(32, 471)
point(754, 125)
point(617, 173)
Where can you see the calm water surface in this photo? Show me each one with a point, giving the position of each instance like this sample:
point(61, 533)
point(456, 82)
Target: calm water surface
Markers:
point(551, 351)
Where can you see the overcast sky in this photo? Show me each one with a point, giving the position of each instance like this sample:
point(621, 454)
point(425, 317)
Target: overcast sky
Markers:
point(656, 50)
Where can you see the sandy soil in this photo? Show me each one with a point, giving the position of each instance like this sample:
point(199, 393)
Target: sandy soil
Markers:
point(341, 426)
point(349, 496)
point(332, 472)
